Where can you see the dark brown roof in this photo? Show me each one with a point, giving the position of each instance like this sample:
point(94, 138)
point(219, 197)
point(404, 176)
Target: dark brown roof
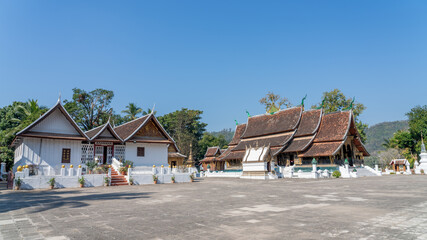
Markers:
point(176, 155)
point(127, 129)
point(299, 144)
point(334, 127)
point(235, 155)
point(310, 122)
point(91, 133)
point(359, 145)
point(272, 141)
point(212, 151)
point(208, 159)
point(322, 149)
point(266, 124)
point(240, 129)
point(226, 152)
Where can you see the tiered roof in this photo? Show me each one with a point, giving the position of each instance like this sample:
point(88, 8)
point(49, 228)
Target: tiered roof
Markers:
point(212, 154)
point(308, 133)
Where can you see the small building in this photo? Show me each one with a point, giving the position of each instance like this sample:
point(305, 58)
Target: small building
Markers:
point(400, 165)
point(211, 160)
point(55, 139)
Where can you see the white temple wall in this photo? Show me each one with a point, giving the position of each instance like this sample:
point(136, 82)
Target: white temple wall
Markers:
point(254, 166)
point(155, 154)
point(47, 153)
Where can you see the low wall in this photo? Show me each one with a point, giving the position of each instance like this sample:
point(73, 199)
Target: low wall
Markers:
point(139, 179)
point(223, 174)
point(41, 181)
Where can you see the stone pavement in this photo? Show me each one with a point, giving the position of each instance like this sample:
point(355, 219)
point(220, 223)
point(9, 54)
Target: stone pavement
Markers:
point(388, 207)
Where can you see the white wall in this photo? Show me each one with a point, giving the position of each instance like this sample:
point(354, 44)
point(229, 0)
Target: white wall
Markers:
point(155, 154)
point(47, 152)
point(55, 123)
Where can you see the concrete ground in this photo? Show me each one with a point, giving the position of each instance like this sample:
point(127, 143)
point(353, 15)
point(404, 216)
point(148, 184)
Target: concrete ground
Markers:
point(388, 207)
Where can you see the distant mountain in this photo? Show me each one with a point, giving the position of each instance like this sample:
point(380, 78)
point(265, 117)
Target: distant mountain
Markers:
point(227, 133)
point(377, 133)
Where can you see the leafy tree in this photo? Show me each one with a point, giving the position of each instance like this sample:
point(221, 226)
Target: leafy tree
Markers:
point(185, 127)
point(14, 118)
point(274, 102)
point(386, 156)
point(227, 133)
point(132, 111)
point(148, 112)
point(90, 109)
point(335, 100)
point(209, 140)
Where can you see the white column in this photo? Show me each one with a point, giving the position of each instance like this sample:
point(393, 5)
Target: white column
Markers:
point(169, 170)
point(129, 172)
point(71, 171)
point(154, 170)
point(79, 171)
point(162, 170)
point(376, 167)
point(26, 172)
point(62, 171)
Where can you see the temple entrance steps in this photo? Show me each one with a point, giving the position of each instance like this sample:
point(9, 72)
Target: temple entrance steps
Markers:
point(116, 179)
point(363, 172)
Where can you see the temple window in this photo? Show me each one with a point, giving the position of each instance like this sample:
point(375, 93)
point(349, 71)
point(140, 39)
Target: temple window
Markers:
point(66, 155)
point(140, 151)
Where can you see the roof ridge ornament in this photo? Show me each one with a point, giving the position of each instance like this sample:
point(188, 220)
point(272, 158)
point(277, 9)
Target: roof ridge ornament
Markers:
point(248, 114)
point(302, 101)
point(152, 110)
point(351, 104)
point(322, 104)
point(237, 123)
point(59, 97)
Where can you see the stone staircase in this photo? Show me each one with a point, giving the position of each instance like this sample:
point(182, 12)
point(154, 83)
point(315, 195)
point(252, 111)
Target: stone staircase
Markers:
point(116, 179)
point(363, 172)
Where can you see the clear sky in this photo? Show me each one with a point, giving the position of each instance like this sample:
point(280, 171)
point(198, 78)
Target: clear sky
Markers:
point(217, 56)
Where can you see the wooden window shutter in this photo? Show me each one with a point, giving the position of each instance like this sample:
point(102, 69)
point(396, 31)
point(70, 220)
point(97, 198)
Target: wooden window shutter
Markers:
point(140, 151)
point(66, 155)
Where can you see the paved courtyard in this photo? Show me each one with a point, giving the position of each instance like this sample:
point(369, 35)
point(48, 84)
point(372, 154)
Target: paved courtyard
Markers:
point(389, 207)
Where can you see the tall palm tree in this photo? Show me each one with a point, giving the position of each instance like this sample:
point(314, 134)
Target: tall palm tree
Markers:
point(26, 113)
point(149, 111)
point(132, 111)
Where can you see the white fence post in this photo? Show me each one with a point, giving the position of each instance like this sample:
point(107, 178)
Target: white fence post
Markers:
point(71, 171)
point(26, 171)
point(169, 170)
point(162, 170)
point(154, 170)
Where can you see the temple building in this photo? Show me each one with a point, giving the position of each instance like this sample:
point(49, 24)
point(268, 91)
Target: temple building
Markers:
point(211, 160)
point(295, 137)
point(55, 139)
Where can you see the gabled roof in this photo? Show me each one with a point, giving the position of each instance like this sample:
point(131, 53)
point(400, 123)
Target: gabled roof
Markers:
point(334, 127)
point(97, 132)
point(212, 151)
point(279, 122)
point(277, 140)
point(127, 130)
point(58, 106)
point(310, 122)
point(240, 129)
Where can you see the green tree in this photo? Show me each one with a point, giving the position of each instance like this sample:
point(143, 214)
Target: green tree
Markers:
point(274, 102)
point(335, 100)
point(132, 111)
point(209, 140)
point(185, 127)
point(90, 109)
point(149, 111)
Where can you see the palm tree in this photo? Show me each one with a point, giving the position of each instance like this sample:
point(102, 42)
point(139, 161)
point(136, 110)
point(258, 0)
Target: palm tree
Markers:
point(149, 111)
point(132, 111)
point(28, 112)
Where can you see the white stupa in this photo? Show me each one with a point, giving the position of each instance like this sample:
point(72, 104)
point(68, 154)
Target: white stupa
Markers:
point(423, 156)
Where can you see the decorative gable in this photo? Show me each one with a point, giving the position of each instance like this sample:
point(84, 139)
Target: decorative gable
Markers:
point(150, 131)
point(57, 123)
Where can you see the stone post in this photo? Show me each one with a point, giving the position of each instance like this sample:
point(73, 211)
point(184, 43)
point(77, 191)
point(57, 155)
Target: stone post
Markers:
point(79, 170)
point(63, 170)
point(169, 169)
point(3, 168)
point(376, 167)
point(26, 171)
point(71, 171)
point(346, 166)
point(292, 172)
point(314, 164)
point(154, 170)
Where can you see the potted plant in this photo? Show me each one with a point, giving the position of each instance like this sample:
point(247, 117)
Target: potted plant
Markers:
point(155, 179)
point(192, 177)
point(422, 171)
point(106, 181)
point(82, 181)
point(51, 183)
point(91, 165)
point(173, 179)
point(123, 170)
point(130, 181)
point(18, 183)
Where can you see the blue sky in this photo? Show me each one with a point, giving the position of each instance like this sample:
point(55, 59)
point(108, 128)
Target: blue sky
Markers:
point(217, 56)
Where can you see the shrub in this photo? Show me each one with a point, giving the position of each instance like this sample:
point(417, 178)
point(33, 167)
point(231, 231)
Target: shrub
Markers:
point(192, 176)
point(128, 164)
point(91, 165)
point(123, 169)
point(99, 170)
point(173, 178)
point(336, 174)
point(82, 180)
point(131, 181)
point(107, 180)
point(354, 170)
point(155, 178)
point(51, 182)
point(422, 171)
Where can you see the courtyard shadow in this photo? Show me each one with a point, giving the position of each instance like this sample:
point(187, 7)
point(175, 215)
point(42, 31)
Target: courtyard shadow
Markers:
point(44, 200)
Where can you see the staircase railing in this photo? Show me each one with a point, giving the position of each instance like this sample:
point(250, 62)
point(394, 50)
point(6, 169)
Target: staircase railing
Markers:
point(378, 173)
point(116, 164)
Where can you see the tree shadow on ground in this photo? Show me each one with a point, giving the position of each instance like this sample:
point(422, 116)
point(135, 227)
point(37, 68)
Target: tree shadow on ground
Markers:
point(40, 201)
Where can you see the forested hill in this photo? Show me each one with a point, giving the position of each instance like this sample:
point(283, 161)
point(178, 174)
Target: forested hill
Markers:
point(377, 133)
point(227, 133)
